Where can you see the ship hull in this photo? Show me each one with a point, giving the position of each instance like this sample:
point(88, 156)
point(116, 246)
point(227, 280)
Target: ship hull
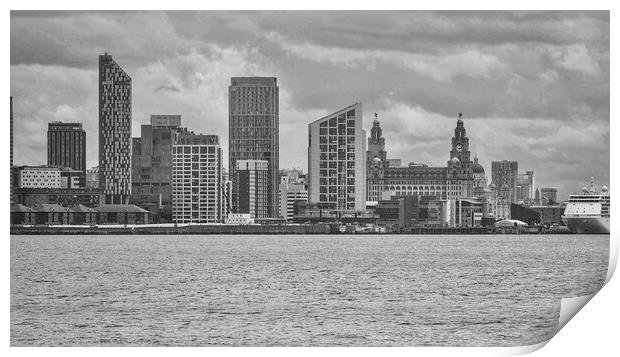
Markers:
point(587, 225)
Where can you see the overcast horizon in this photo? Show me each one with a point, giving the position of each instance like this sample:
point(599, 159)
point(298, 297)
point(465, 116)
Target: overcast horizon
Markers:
point(532, 86)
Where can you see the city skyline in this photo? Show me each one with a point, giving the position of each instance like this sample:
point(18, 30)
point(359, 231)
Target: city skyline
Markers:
point(560, 94)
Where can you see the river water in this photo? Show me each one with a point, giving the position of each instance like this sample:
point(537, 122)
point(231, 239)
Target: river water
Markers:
point(357, 290)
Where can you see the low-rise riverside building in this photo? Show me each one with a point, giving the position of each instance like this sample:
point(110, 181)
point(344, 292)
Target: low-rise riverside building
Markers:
point(54, 214)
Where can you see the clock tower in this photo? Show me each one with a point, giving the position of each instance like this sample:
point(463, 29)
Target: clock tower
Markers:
point(460, 176)
point(460, 142)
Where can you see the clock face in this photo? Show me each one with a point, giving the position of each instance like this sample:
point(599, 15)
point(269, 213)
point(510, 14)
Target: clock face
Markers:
point(459, 147)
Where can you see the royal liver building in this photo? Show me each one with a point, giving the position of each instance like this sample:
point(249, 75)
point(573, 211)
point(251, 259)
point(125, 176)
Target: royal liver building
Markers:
point(453, 184)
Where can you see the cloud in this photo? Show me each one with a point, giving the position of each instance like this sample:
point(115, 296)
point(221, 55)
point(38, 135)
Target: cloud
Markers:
point(438, 67)
point(576, 58)
point(534, 86)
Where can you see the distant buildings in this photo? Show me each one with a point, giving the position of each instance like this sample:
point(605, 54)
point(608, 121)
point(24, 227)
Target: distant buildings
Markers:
point(196, 179)
point(114, 131)
point(398, 211)
point(254, 132)
point(504, 175)
point(292, 176)
point(525, 187)
point(337, 160)
point(459, 179)
point(537, 214)
point(290, 194)
point(151, 166)
point(226, 193)
point(92, 178)
point(252, 187)
point(376, 162)
point(56, 214)
point(549, 195)
point(11, 168)
point(38, 177)
point(66, 147)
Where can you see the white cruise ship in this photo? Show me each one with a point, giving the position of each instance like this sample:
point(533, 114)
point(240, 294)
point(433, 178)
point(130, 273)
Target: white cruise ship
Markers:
point(588, 212)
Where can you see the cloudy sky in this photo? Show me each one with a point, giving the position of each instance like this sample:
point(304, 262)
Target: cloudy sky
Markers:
point(533, 86)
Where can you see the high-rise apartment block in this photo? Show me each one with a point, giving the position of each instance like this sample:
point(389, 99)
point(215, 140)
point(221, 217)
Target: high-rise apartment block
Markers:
point(114, 131)
point(504, 175)
point(254, 132)
point(66, 147)
point(252, 187)
point(196, 179)
point(337, 160)
point(151, 166)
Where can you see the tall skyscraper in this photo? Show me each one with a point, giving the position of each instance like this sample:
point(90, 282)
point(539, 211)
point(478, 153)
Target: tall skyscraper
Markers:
point(252, 187)
point(151, 166)
point(253, 125)
point(504, 175)
point(337, 160)
point(66, 147)
point(114, 131)
point(196, 179)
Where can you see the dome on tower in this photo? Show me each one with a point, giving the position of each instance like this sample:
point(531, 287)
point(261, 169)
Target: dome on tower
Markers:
point(477, 168)
point(455, 160)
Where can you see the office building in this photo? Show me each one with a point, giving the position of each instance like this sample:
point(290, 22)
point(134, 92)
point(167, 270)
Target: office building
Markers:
point(504, 175)
point(399, 211)
point(114, 131)
point(66, 147)
point(254, 132)
point(38, 177)
point(151, 166)
point(252, 187)
point(290, 193)
point(337, 160)
point(525, 187)
point(196, 179)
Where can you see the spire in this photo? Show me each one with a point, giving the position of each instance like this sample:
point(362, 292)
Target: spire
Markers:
point(460, 118)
